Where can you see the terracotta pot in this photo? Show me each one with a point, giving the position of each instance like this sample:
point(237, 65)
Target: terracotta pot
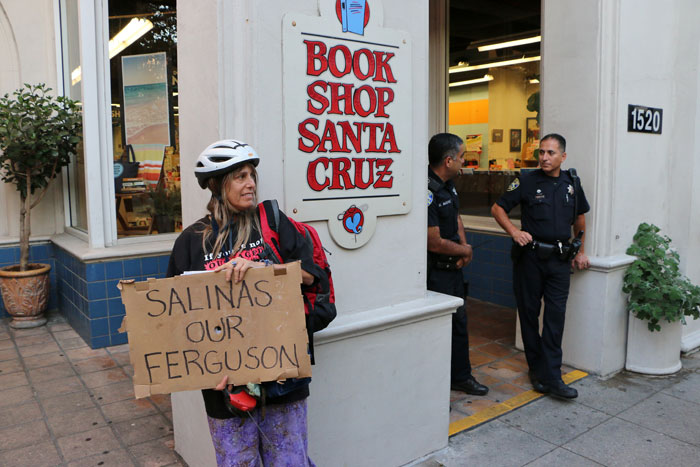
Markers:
point(25, 294)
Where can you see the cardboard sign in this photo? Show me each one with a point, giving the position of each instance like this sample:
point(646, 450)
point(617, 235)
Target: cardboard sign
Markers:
point(187, 332)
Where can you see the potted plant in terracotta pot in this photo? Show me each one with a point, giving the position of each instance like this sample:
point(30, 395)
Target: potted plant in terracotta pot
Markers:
point(38, 136)
point(660, 298)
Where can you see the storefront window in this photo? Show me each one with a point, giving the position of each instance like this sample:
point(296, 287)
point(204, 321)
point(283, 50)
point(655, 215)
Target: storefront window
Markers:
point(494, 71)
point(143, 75)
point(70, 48)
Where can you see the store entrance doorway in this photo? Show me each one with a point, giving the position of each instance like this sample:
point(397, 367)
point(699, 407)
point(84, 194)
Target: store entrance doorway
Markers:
point(493, 94)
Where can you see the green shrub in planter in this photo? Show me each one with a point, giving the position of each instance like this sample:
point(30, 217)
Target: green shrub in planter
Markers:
point(38, 136)
point(657, 290)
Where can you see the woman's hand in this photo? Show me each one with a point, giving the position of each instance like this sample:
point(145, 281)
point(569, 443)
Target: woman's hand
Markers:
point(222, 384)
point(236, 268)
point(307, 278)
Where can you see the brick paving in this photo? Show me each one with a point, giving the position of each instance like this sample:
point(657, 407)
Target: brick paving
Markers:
point(495, 360)
point(65, 404)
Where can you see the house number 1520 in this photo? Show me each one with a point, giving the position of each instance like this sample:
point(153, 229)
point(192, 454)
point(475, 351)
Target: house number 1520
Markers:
point(642, 119)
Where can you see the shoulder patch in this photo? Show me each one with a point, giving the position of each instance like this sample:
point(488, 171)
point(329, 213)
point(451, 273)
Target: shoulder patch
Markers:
point(430, 197)
point(514, 185)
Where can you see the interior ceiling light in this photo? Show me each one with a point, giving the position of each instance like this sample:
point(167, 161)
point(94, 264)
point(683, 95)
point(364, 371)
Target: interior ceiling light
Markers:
point(515, 61)
point(503, 45)
point(534, 81)
point(132, 32)
point(484, 79)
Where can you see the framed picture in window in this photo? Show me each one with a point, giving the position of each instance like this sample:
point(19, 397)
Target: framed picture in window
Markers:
point(515, 140)
point(497, 136)
point(532, 130)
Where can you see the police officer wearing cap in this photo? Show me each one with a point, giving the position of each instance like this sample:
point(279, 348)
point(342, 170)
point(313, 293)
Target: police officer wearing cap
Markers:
point(551, 201)
point(448, 251)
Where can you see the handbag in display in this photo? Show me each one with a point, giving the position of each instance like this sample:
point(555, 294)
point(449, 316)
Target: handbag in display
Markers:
point(126, 167)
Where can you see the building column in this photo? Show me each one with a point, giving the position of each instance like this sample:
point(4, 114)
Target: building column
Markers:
point(389, 347)
point(579, 100)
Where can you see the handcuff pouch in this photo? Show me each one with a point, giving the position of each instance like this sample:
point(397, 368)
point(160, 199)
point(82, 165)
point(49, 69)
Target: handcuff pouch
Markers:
point(544, 251)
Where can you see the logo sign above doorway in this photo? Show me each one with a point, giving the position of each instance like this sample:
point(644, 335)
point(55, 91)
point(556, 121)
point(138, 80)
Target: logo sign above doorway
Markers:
point(348, 119)
point(353, 15)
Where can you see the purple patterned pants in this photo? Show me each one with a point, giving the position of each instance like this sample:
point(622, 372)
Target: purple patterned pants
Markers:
point(283, 442)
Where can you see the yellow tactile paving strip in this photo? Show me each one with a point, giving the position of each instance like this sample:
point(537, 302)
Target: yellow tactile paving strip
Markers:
point(513, 403)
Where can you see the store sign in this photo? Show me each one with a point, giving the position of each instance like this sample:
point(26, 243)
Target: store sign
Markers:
point(642, 119)
point(348, 118)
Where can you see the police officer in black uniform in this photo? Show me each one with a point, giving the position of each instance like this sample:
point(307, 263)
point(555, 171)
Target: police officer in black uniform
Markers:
point(551, 201)
point(448, 250)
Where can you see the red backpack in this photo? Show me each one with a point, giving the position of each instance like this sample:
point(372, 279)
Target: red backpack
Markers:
point(319, 298)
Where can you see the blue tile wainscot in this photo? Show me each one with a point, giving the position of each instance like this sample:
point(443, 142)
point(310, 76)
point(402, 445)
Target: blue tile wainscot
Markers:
point(490, 274)
point(88, 295)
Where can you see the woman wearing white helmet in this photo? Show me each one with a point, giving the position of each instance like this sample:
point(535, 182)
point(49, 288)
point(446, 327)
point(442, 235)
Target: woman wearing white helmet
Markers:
point(229, 238)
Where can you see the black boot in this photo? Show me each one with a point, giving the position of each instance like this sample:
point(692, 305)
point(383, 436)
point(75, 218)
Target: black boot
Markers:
point(562, 391)
point(536, 385)
point(470, 386)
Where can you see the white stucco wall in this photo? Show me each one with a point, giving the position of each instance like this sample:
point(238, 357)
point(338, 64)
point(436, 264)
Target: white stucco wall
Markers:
point(389, 334)
point(646, 160)
point(598, 57)
point(252, 94)
point(28, 55)
point(665, 75)
point(691, 255)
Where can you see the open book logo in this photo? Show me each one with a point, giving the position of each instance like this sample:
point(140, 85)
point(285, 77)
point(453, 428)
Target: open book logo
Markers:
point(353, 15)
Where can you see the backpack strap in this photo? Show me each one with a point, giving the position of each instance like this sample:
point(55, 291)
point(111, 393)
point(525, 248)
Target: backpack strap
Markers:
point(275, 207)
point(269, 212)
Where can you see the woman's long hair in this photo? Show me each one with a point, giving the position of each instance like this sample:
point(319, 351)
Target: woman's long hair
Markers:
point(226, 215)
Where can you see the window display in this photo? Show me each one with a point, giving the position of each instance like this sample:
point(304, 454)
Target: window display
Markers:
point(142, 95)
point(143, 74)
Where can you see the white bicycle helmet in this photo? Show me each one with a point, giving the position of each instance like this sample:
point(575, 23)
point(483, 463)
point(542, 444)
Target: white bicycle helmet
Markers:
point(223, 157)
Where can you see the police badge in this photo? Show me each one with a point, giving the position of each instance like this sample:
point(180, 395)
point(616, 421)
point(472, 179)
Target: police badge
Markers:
point(514, 185)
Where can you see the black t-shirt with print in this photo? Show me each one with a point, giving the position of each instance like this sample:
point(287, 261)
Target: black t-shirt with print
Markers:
point(188, 255)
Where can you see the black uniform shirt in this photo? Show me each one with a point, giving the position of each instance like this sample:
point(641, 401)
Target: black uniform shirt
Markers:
point(443, 206)
point(547, 204)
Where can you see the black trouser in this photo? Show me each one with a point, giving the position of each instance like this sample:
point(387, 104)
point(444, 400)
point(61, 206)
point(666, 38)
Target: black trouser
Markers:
point(533, 279)
point(452, 283)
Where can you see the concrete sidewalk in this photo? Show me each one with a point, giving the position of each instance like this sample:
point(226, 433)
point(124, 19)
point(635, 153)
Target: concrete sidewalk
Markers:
point(62, 403)
point(65, 404)
point(628, 420)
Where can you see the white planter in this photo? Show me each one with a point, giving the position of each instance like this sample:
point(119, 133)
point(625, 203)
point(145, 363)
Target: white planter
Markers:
point(653, 353)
